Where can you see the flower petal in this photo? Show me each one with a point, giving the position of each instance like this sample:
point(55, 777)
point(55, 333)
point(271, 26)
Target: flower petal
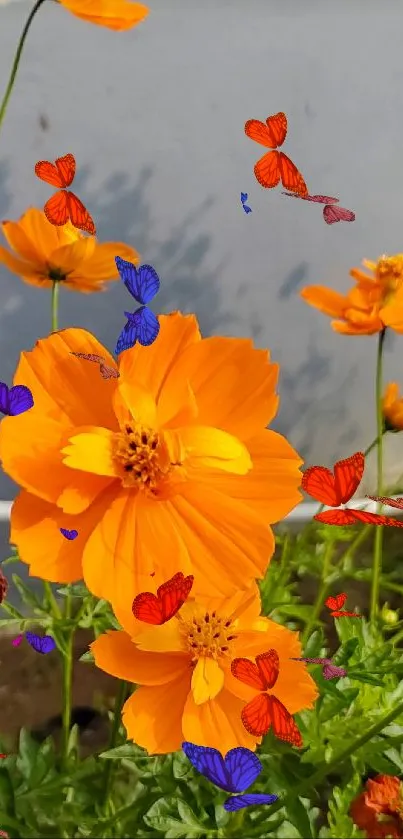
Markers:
point(153, 716)
point(325, 299)
point(217, 723)
point(33, 236)
point(115, 653)
point(243, 377)
point(100, 265)
point(19, 267)
point(207, 680)
point(208, 448)
point(114, 14)
point(91, 451)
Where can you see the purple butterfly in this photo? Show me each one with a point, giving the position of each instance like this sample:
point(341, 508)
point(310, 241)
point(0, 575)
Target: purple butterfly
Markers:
point(41, 643)
point(234, 773)
point(329, 670)
point(68, 534)
point(142, 325)
point(15, 400)
point(244, 198)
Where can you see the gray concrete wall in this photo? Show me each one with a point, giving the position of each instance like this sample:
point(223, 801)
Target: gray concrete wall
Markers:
point(155, 119)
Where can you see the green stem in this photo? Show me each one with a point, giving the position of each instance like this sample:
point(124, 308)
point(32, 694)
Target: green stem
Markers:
point(322, 591)
point(55, 302)
point(17, 57)
point(377, 560)
point(120, 699)
point(67, 685)
point(326, 769)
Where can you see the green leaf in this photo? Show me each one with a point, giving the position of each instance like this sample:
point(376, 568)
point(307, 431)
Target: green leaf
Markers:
point(160, 818)
point(26, 594)
point(126, 751)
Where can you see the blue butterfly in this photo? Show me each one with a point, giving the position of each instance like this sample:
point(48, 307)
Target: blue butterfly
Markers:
point(244, 198)
point(68, 534)
point(15, 400)
point(142, 325)
point(234, 773)
point(41, 643)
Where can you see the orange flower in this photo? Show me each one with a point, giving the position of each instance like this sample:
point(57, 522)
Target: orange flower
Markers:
point(379, 809)
point(375, 302)
point(392, 408)
point(168, 468)
point(42, 254)
point(114, 14)
point(184, 668)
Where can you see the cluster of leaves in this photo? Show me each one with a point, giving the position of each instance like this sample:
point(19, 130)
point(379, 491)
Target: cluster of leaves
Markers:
point(354, 731)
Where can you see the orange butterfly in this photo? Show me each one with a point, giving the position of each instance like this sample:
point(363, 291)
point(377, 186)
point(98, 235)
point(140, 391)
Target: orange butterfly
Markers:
point(160, 608)
point(336, 603)
point(63, 205)
point(274, 165)
point(337, 488)
point(265, 711)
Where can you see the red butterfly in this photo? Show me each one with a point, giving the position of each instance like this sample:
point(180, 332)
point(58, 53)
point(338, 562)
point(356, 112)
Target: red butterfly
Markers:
point(63, 205)
point(160, 608)
point(337, 488)
point(106, 372)
point(336, 603)
point(330, 214)
point(265, 711)
point(274, 165)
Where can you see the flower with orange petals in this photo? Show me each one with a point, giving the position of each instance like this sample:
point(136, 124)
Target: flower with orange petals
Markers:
point(168, 468)
point(375, 303)
point(184, 668)
point(392, 408)
point(42, 254)
point(379, 810)
point(114, 14)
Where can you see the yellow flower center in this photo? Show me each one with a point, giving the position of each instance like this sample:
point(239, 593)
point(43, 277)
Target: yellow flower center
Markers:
point(208, 636)
point(141, 457)
point(389, 272)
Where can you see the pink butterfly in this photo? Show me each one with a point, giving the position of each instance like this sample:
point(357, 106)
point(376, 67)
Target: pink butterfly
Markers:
point(106, 371)
point(331, 214)
point(17, 641)
point(329, 670)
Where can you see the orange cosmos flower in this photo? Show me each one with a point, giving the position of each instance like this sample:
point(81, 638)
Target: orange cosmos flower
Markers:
point(392, 408)
point(42, 254)
point(114, 14)
point(374, 303)
point(184, 668)
point(167, 468)
point(379, 810)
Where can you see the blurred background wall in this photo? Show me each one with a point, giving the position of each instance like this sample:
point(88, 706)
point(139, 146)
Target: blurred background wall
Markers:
point(155, 118)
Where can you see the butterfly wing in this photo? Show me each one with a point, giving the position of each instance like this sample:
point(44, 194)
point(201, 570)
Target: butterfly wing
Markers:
point(383, 499)
point(148, 327)
point(291, 177)
point(87, 356)
point(242, 767)
point(347, 475)
point(238, 802)
point(260, 133)
point(17, 641)
point(374, 518)
point(68, 534)
point(322, 199)
point(147, 607)
point(283, 724)
point(43, 645)
point(248, 673)
point(66, 167)
point(128, 335)
point(20, 400)
point(319, 482)
point(173, 594)
point(79, 215)
point(333, 215)
point(340, 518)
point(277, 127)
point(4, 398)
point(267, 170)
point(330, 671)
point(336, 602)
point(247, 209)
point(210, 763)
point(268, 665)
point(143, 283)
point(48, 172)
point(56, 209)
point(244, 197)
point(256, 716)
point(108, 372)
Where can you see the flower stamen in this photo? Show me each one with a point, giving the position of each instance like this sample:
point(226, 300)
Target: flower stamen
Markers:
point(207, 636)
